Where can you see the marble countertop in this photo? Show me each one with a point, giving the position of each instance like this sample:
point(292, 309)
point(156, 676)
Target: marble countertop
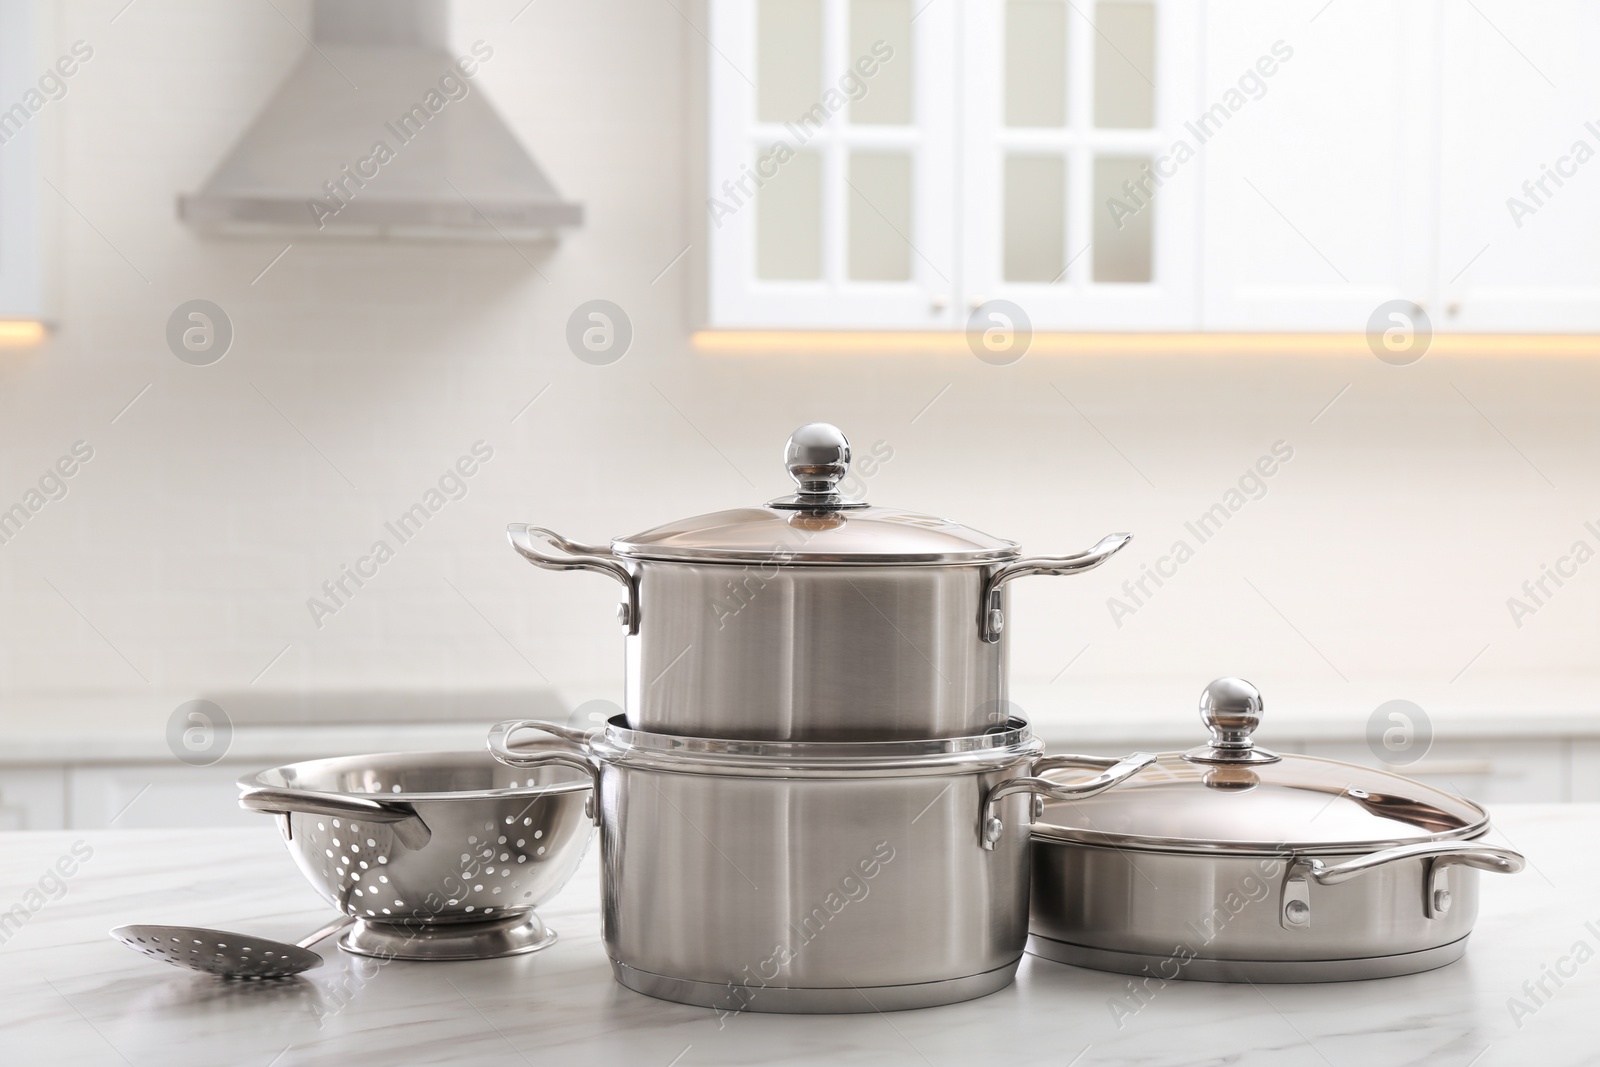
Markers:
point(70, 995)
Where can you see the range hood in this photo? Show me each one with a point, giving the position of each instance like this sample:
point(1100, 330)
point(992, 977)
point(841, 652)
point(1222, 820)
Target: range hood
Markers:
point(381, 131)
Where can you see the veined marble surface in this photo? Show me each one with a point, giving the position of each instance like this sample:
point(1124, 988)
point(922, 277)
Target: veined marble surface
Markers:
point(70, 995)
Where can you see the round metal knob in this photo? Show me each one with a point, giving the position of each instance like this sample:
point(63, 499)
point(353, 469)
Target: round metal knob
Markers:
point(1231, 709)
point(818, 458)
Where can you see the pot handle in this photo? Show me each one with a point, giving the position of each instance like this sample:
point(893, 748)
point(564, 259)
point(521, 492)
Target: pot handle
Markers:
point(576, 557)
point(1117, 771)
point(1439, 856)
point(993, 620)
point(409, 828)
point(500, 748)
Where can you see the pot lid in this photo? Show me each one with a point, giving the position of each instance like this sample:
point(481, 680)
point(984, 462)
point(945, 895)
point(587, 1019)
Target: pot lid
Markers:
point(1230, 795)
point(817, 524)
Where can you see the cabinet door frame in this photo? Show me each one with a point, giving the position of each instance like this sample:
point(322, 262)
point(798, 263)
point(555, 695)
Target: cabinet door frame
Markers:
point(1170, 301)
point(737, 141)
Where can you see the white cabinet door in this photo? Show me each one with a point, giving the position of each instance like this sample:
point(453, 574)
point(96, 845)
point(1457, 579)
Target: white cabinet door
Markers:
point(156, 796)
point(830, 195)
point(1489, 772)
point(1319, 199)
point(33, 798)
point(1079, 203)
point(1520, 172)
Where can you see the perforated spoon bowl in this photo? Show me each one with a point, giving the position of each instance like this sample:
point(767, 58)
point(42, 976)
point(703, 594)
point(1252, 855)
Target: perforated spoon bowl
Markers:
point(228, 954)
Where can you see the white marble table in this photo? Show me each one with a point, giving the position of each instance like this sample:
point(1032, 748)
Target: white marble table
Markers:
point(70, 995)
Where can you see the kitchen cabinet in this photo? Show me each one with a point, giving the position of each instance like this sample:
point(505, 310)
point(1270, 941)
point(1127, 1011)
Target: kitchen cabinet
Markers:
point(1586, 770)
point(1447, 154)
point(1519, 167)
point(1285, 169)
point(33, 798)
point(158, 793)
point(142, 796)
point(21, 293)
point(1318, 199)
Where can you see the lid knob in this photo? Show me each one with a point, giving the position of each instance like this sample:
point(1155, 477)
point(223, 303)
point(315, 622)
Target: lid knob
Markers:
point(818, 458)
point(1231, 709)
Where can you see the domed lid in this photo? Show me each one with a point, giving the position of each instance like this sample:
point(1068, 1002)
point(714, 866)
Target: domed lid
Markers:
point(1231, 796)
point(816, 525)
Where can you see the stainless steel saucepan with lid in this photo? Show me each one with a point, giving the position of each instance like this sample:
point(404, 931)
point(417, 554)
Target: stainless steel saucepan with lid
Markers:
point(1232, 863)
point(815, 877)
point(813, 617)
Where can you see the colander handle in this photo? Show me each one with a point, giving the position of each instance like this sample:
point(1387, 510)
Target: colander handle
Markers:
point(500, 748)
point(409, 828)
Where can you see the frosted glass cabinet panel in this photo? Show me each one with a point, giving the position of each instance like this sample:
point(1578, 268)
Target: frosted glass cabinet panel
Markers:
point(1035, 62)
point(788, 58)
point(1125, 69)
point(789, 221)
point(1124, 235)
point(880, 216)
point(873, 25)
point(1035, 218)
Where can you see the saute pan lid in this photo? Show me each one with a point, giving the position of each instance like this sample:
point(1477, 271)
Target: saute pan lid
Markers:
point(818, 524)
point(1232, 796)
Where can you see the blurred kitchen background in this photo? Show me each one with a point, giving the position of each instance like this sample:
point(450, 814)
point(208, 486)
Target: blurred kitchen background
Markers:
point(1356, 237)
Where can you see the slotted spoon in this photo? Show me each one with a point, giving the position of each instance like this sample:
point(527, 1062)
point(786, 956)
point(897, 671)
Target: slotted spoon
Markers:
point(227, 954)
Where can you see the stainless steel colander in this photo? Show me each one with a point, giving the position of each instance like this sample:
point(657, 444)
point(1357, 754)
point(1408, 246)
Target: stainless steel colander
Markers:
point(438, 855)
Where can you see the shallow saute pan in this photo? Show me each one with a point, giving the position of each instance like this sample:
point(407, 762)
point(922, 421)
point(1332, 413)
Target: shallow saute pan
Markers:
point(1232, 863)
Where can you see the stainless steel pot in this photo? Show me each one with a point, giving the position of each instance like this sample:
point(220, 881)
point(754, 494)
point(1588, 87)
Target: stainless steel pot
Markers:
point(813, 618)
point(814, 877)
point(1232, 863)
point(437, 855)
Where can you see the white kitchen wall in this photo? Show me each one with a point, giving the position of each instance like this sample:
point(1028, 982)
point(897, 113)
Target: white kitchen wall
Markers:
point(1377, 565)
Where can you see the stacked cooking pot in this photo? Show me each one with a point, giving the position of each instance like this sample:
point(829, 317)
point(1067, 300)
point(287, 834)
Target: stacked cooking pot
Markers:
point(816, 800)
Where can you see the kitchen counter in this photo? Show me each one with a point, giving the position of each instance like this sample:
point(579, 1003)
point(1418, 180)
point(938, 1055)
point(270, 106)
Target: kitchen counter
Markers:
point(70, 995)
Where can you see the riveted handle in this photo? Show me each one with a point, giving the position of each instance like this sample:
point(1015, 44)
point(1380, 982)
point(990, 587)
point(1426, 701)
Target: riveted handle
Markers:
point(500, 748)
point(576, 556)
point(1439, 856)
point(408, 826)
point(992, 615)
point(1117, 771)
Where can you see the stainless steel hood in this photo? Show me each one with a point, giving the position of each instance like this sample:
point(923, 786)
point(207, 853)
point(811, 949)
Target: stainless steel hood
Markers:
point(381, 131)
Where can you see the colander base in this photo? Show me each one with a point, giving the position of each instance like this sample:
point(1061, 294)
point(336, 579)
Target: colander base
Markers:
point(512, 935)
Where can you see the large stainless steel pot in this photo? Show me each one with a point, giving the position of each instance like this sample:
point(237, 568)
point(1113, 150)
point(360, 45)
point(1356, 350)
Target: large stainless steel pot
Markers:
point(813, 618)
point(1232, 863)
point(813, 877)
